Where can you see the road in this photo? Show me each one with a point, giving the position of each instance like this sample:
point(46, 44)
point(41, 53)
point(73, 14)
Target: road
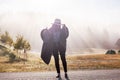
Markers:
point(74, 75)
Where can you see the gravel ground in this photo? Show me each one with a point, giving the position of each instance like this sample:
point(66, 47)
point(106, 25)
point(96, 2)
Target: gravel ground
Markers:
point(73, 75)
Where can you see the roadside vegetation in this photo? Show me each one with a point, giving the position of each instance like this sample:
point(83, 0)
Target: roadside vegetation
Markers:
point(14, 57)
point(75, 62)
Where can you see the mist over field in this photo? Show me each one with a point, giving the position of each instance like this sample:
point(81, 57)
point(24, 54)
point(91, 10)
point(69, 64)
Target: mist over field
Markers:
point(82, 38)
point(94, 25)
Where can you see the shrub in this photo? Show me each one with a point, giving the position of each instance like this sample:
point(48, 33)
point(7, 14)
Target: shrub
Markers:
point(110, 52)
point(12, 57)
point(3, 51)
point(118, 51)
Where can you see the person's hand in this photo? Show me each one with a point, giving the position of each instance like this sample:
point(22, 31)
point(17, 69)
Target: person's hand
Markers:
point(64, 25)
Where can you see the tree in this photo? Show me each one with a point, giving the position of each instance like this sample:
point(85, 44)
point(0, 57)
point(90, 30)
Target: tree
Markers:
point(19, 42)
point(22, 44)
point(26, 48)
point(26, 45)
point(6, 39)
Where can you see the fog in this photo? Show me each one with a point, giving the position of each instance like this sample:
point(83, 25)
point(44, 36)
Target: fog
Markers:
point(92, 24)
point(81, 36)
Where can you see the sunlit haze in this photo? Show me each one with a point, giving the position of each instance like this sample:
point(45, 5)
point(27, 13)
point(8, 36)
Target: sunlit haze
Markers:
point(92, 23)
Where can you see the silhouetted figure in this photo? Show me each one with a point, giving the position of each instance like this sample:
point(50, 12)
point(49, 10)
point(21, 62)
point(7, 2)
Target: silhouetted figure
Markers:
point(57, 36)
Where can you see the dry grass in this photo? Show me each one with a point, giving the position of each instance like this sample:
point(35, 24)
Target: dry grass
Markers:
point(98, 61)
point(75, 62)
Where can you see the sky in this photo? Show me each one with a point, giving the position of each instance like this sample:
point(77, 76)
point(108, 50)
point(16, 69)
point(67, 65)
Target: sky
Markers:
point(92, 23)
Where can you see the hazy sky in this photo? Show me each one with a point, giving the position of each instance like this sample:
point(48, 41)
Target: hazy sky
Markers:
point(87, 11)
point(86, 19)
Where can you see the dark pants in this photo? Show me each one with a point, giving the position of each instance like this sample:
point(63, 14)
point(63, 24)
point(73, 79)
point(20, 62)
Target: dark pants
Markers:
point(60, 49)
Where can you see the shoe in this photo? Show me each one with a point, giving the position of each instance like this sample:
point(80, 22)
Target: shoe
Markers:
point(59, 77)
point(66, 77)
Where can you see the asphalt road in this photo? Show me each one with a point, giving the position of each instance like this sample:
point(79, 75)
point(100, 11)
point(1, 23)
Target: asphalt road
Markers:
point(73, 75)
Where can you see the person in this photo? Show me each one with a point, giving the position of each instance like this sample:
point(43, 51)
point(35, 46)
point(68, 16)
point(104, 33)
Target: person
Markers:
point(59, 33)
point(54, 43)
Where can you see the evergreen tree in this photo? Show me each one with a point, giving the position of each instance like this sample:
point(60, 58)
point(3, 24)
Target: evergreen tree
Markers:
point(6, 39)
point(22, 44)
point(19, 42)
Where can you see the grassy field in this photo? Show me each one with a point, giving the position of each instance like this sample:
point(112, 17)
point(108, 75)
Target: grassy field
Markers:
point(75, 62)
